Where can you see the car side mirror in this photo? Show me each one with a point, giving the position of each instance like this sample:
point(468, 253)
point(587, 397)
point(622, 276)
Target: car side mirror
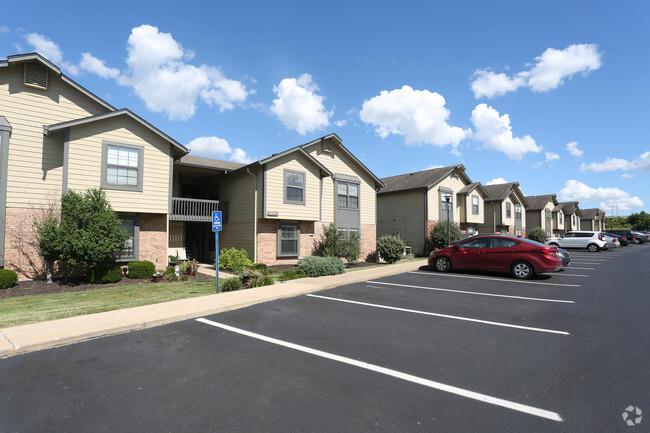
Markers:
point(562, 236)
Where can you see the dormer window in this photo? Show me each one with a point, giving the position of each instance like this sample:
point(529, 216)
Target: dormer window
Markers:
point(35, 75)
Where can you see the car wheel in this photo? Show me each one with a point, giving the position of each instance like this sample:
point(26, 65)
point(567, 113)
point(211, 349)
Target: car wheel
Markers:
point(442, 264)
point(522, 270)
point(553, 244)
point(592, 248)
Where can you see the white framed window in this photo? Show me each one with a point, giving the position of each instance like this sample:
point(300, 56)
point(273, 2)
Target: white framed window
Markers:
point(518, 211)
point(518, 232)
point(347, 195)
point(288, 239)
point(294, 187)
point(508, 210)
point(131, 225)
point(122, 166)
point(474, 205)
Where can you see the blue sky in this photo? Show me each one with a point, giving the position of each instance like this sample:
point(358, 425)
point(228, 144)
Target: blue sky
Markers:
point(552, 95)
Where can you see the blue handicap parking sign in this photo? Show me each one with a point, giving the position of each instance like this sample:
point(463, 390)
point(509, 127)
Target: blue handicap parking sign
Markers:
point(216, 221)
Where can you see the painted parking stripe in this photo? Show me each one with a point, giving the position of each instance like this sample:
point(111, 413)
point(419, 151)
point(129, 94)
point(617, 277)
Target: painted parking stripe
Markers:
point(582, 269)
point(564, 274)
point(444, 316)
point(394, 373)
point(438, 274)
point(472, 293)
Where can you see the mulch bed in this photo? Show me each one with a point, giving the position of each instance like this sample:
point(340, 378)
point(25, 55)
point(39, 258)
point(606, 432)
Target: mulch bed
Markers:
point(40, 287)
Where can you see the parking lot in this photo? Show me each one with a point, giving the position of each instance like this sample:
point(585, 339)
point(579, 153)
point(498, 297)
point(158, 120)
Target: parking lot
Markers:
point(421, 351)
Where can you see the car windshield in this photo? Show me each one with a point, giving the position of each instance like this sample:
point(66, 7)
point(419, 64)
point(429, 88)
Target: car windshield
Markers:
point(537, 244)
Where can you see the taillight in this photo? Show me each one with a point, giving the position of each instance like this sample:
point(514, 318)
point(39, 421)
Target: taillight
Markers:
point(600, 236)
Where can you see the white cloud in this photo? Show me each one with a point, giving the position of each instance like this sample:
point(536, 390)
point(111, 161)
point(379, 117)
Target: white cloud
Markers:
point(94, 65)
point(419, 116)
point(627, 176)
point(341, 123)
point(45, 47)
point(550, 157)
point(159, 75)
point(496, 181)
point(215, 147)
point(4, 29)
point(575, 190)
point(495, 133)
point(572, 148)
point(642, 163)
point(298, 106)
point(549, 71)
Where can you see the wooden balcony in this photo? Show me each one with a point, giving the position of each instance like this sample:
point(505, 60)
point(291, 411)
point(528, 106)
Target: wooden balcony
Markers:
point(193, 209)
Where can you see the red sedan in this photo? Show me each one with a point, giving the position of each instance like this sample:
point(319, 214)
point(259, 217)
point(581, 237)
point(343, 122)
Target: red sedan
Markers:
point(521, 257)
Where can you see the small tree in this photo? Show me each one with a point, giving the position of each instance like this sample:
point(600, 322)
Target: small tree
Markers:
point(334, 244)
point(49, 240)
point(537, 234)
point(439, 234)
point(390, 248)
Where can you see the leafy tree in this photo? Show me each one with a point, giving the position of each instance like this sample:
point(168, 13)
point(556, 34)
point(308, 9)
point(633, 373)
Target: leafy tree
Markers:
point(639, 221)
point(439, 234)
point(49, 241)
point(618, 223)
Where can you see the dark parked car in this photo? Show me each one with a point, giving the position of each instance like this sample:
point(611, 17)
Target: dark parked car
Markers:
point(566, 258)
point(621, 239)
point(622, 232)
point(521, 257)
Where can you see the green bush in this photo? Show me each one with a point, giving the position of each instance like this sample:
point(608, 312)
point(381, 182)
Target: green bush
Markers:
point(321, 266)
point(390, 248)
point(260, 269)
point(334, 244)
point(8, 278)
point(439, 234)
point(292, 274)
point(234, 260)
point(141, 270)
point(264, 280)
point(537, 234)
point(106, 273)
point(352, 249)
point(230, 284)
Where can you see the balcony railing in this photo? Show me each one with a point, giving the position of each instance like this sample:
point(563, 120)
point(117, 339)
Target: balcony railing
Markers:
point(192, 209)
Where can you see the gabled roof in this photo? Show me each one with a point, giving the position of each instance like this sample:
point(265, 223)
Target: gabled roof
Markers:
point(419, 180)
point(47, 129)
point(592, 214)
point(297, 150)
point(570, 207)
point(501, 191)
point(467, 189)
point(29, 57)
point(538, 202)
point(209, 163)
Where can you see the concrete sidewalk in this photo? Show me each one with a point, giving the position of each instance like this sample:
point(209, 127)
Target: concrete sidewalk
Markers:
point(45, 335)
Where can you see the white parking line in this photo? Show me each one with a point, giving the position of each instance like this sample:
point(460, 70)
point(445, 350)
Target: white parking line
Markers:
point(472, 293)
point(444, 316)
point(582, 269)
point(394, 373)
point(564, 274)
point(494, 279)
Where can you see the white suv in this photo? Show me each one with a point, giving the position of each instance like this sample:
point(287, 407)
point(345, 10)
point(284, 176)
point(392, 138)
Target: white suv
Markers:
point(592, 241)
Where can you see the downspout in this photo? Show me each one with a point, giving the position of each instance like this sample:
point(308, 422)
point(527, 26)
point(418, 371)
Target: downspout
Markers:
point(248, 170)
point(426, 222)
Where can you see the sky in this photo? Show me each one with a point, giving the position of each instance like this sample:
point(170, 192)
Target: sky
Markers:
point(553, 95)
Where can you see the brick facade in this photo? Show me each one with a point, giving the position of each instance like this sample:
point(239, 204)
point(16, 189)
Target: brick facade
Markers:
point(153, 239)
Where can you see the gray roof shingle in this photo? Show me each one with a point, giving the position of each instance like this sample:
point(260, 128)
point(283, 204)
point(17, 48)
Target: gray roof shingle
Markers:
point(420, 179)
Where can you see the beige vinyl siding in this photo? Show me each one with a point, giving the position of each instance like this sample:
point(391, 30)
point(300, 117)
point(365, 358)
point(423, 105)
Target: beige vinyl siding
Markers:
point(475, 218)
point(36, 162)
point(505, 220)
point(239, 231)
point(453, 183)
point(337, 161)
point(274, 186)
point(402, 213)
point(85, 163)
point(549, 207)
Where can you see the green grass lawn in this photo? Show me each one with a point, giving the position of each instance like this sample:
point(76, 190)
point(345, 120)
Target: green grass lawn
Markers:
point(22, 310)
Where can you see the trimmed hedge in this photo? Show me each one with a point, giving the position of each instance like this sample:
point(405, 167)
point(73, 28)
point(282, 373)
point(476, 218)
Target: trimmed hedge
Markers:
point(105, 273)
point(390, 248)
point(321, 266)
point(8, 278)
point(141, 270)
point(439, 234)
point(537, 234)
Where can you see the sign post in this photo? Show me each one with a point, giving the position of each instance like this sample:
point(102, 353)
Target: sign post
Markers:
point(216, 228)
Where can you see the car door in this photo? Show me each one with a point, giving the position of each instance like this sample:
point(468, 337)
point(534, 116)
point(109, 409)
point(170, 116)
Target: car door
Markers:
point(569, 240)
point(471, 254)
point(501, 254)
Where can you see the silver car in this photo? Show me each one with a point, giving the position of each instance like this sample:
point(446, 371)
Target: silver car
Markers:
point(611, 241)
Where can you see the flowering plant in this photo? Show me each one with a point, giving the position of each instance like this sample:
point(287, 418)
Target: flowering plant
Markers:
point(247, 272)
point(192, 265)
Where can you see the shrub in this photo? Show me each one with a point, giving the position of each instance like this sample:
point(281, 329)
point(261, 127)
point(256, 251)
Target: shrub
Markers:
point(439, 234)
point(172, 277)
point(260, 269)
point(390, 248)
point(230, 284)
point(184, 277)
point(8, 278)
point(334, 244)
point(321, 266)
point(234, 260)
point(141, 270)
point(292, 274)
point(106, 273)
point(261, 281)
point(537, 234)
point(352, 249)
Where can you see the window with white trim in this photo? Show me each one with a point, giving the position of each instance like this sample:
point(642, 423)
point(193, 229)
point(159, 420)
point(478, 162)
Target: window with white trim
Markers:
point(288, 239)
point(347, 195)
point(508, 210)
point(130, 225)
point(294, 187)
point(518, 211)
point(122, 166)
point(474, 205)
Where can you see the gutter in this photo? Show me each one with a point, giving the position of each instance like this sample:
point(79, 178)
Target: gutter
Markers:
point(248, 170)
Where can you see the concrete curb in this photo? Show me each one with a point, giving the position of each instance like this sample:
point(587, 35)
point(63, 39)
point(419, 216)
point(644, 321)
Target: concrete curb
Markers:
point(46, 335)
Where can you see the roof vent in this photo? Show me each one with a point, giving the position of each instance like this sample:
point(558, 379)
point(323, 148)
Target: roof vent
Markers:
point(35, 75)
point(327, 145)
